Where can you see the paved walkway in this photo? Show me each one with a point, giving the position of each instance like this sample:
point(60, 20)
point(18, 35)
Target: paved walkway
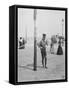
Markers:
point(55, 64)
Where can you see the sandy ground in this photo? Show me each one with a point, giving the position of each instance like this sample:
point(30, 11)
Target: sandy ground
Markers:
point(55, 64)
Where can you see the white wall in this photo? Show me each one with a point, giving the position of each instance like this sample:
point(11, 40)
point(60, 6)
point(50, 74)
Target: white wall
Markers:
point(4, 44)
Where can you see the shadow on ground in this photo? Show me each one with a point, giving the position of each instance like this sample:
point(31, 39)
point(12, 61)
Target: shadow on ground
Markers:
point(29, 66)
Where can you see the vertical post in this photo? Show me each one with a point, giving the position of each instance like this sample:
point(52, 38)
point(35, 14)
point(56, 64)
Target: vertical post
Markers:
point(62, 26)
point(35, 47)
point(26, 34)
point(62, 31)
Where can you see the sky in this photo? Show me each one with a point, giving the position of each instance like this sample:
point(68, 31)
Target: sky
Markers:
point(47, 21)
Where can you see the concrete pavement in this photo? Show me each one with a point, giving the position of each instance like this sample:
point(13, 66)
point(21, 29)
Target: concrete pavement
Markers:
point(55, 64)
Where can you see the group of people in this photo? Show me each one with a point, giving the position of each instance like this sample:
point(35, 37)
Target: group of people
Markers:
point(42, 45)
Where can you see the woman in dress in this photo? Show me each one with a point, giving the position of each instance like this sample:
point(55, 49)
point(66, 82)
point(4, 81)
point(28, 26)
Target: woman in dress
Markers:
point(59, 50)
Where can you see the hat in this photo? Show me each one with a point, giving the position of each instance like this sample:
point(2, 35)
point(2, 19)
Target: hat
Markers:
point(44, 34)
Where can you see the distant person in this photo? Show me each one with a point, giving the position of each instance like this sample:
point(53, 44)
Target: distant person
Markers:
point(59, 50)
point(24, 42)
point(52, 48)
point(20, 42)
point(42, 46)
point(53, 42)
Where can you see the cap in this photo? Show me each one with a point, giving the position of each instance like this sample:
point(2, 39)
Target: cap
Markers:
point(44, 34)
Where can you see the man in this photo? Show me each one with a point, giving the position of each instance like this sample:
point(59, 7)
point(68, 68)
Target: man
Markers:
point(42, 46)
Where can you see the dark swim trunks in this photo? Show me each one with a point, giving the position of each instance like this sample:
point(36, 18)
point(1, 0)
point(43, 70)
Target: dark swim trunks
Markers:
point(43, 52)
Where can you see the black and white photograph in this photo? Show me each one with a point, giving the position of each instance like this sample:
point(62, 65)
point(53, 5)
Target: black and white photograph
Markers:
point(41, 44)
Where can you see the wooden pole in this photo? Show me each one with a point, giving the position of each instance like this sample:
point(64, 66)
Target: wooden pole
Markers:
point(35, 47)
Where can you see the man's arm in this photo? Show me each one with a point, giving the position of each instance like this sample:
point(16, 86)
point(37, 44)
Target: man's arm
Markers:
point(46, 42)
point(40, 44)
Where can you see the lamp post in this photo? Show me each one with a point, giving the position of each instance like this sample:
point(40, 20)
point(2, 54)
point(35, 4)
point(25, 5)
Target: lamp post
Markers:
point(35, 47)
point(62, 30)
point(62, 25)
point(26, 34)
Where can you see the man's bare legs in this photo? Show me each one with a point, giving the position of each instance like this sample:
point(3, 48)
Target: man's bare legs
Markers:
point(45, 62)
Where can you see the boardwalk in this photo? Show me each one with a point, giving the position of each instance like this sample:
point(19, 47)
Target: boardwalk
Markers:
point(55, 64)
